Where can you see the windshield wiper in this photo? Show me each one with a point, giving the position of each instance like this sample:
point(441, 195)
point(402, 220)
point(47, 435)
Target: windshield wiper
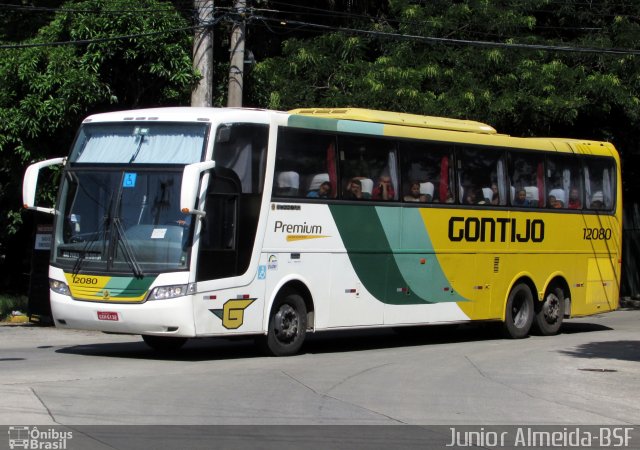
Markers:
point(102, 231)
point(128, 252)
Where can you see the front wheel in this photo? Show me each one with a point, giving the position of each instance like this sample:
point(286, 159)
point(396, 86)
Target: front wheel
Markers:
point(164, 344)
point(519, 312)
point(550, 313)
point(287, 326)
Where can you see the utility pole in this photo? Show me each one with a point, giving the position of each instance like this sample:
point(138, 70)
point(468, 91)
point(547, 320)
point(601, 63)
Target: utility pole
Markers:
point(202, 95)
point(236, 71)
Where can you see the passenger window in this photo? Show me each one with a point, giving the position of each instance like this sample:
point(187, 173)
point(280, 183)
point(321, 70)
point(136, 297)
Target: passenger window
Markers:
point(427, 172)
point(305, 165)
point(481, 177)
point(599, 183)
point(565, 188)
point(526, 180)
point(369, 168)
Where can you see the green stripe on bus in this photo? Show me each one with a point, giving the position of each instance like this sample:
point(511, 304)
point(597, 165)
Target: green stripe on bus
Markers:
point(313, 123)
point(324, 124)
point(129, 286)
point(395, 278)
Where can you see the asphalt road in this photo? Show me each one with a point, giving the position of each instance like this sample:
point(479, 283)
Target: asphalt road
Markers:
point(589, 374)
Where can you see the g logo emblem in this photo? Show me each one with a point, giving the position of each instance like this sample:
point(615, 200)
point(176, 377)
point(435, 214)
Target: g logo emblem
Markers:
point(232, 314)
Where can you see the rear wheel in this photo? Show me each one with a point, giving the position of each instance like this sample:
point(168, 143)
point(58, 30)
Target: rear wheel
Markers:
point(550, 312)
point(164, 344)
point(519, 312)
point(287, 326)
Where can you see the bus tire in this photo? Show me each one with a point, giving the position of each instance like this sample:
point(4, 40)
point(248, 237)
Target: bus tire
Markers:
point(519, 312)
point(164, 344)
point(550, 313)
point(287, 326)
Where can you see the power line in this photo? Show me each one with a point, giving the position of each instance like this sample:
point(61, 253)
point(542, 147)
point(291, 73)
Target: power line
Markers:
point(81, 11)
point(105, 39)
point(450, 41)
point(379, 34)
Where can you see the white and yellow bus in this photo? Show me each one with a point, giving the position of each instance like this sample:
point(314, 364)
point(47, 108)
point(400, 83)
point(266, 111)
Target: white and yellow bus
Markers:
point(176, 223)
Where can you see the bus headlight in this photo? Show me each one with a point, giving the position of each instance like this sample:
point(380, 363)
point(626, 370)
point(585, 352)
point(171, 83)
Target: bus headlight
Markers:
point(165, 292)
point(59, 287)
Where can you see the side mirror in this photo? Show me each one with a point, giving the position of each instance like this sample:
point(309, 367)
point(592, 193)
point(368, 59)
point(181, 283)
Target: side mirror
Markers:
point(190, 184)
point(30, 183)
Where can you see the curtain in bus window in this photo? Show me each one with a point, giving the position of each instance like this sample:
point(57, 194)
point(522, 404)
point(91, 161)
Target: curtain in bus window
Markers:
point(178, 147)
point(261, 168)
point(502, 188)
point(587, 186)
point(606, 189)
point(331, 169)
point(174, 146)
point(242, 166)
point(393, 173)
point(444, 179)
point(566, 184)
point(237, 157)
point(104, 147)
point(540, 184)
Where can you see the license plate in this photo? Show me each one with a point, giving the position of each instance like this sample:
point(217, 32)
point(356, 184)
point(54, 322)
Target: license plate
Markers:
point(108, 315)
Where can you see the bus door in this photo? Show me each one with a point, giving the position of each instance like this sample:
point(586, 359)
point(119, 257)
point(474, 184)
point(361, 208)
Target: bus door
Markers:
point(226, 243)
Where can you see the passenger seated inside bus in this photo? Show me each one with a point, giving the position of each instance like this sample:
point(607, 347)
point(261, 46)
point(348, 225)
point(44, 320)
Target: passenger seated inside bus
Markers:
point(414, 194)
point(574, 199)
point(354, 191)
point(555, 199)
point(384, 189)
point(521, 198)
point(473, 197)
point(553, 202)
point(323, 191)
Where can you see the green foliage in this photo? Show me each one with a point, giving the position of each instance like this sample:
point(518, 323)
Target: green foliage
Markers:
point(520, 91)
point(47, 90)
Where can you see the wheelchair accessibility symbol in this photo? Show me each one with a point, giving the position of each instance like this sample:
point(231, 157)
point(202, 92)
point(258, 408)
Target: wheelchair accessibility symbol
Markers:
point(262, 272)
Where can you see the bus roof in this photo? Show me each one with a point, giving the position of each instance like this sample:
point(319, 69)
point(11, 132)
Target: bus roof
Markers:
point(466, 131)
point(184, 114)
point(394, 118)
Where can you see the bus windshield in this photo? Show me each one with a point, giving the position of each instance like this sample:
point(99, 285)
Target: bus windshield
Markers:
point(121, 220)
point(119, 209)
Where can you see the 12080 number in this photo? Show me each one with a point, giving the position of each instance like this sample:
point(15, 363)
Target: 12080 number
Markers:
point(596, 234)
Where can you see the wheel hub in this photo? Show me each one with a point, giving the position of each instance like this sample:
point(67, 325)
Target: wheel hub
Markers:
point(286, 323)
point(551, 308)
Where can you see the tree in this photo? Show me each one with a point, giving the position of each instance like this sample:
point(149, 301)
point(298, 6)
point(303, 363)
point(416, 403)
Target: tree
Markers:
point(47, 90)
point(520, 91)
